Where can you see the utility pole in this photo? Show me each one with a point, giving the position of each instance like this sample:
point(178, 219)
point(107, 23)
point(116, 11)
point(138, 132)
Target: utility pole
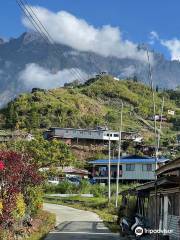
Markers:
point(156, 143)
point(160, 127)
point(119, 155)
point(109, 171)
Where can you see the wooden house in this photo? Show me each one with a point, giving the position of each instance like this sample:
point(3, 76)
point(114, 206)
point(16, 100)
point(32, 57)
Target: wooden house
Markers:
point(159, 201)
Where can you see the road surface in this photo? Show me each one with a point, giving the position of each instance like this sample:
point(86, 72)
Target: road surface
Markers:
point(73, 224)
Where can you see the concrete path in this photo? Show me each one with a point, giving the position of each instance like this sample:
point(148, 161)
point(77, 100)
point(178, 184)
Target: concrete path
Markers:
point(73, 224)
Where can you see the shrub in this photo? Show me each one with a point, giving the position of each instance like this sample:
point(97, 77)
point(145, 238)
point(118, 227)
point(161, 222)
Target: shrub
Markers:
point(34, 199)
point(85, 187)
point(20, 209)
point(98, 190)
point(18, 175)
point(1, 206)
point(67, 187)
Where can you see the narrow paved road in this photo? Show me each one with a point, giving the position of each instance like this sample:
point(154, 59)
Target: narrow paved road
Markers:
point(73, 224)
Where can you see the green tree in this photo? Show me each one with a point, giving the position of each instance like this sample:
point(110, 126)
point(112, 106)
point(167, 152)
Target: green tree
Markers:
point(45, 153)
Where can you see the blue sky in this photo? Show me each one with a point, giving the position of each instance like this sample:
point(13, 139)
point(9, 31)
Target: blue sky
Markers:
point(135, 18)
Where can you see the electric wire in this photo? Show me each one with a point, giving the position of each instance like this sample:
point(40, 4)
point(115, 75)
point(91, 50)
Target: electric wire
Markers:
point(40, 28)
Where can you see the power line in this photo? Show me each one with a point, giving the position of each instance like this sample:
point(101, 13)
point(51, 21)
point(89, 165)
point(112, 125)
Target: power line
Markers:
point(31, 21)
point(33, 13)
point(40, 28)
point(50, 42)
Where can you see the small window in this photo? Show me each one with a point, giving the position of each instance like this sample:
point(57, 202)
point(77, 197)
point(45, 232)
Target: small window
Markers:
point(147, 167)
point(116, 135)
point(109, 135)
point(130, 167)
point(67, 131)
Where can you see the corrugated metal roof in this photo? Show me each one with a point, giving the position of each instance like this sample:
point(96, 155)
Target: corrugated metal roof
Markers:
point(134, 159)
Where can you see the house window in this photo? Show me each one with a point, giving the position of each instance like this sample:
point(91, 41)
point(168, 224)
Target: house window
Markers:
point(67, 131)
point(116, 135)
point(109, 135)
point(130, 167)
point(147, 167)
point(173, 204)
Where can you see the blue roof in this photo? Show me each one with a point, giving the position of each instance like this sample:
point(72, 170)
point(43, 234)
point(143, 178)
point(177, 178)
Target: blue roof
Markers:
point(130, 159)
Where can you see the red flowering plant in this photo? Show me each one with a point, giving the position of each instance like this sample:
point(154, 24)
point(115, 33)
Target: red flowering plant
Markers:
point(17, 174)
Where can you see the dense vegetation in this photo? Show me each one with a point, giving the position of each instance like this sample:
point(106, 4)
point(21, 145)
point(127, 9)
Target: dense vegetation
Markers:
point(97, 102)
point(20, 193)
point(42, 152)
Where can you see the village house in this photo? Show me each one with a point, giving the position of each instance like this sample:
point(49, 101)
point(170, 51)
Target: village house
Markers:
point(66, 172)
point(6, 136)
point(159, 200)
point(99, 135)
point(132, 168)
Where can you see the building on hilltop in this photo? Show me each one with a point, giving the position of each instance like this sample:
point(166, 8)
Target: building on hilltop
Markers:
point(132, 168)
point(87, 136)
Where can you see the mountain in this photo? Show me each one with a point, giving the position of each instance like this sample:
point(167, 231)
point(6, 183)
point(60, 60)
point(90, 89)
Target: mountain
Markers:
point(94, 103)
point(31, 48)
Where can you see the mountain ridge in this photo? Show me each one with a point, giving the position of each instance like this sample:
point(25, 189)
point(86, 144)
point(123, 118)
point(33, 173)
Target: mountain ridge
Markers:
point(29, 48)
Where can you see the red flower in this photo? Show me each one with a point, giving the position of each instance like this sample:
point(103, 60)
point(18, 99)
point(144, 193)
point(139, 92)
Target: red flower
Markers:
point(1, 165)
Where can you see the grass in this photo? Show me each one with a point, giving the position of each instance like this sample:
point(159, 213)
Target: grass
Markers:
point(48, 221)
point(42, 223)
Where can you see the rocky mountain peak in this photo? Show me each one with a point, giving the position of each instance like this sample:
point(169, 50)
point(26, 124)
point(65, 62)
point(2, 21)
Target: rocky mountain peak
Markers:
point(2, 41)
point(29, 37)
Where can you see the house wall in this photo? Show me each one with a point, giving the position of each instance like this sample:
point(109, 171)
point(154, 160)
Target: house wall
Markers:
point(138, 173)
point(80, 134)
point(173, 223)
point(88, 134)
point(166, 220)
point(173, 218)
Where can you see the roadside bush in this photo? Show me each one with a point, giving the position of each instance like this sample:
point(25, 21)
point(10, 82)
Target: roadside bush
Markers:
point(85, 187)
point(34, 199)
point(98, 190)
point(1, 207)
point(64, 187)
point(20, 209)
point(18, 175)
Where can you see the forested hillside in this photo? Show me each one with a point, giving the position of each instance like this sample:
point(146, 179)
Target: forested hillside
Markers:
point(97, 102)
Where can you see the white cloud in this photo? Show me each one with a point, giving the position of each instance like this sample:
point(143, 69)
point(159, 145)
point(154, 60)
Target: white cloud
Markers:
point(128, 71)
point(173, 46)
point(67, 29)
point(36, 76)
point(153, 37)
